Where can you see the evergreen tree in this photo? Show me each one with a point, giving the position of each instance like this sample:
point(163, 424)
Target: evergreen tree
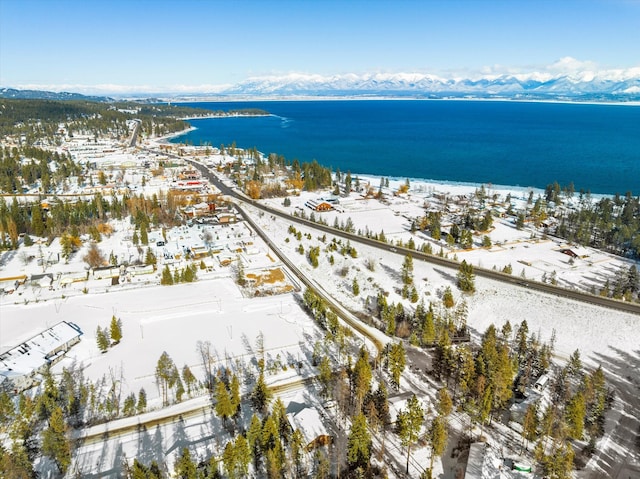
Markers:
point(530, 423)
point(396, 362)
point(188, 378)
point(116, 330)
point(184, 467)
point(230, 460)
point(243, 454)
point(296, 454)
point(359, 443)
point(141, 406)
point(144, 235)
point(355, 287)
point(575, 414)
point(166, 375)
point(102, 340)
point(254, 439)
point(167, 278)
point(444, 404)
point(261, 395)
point(361, 377)
point(466, 278)
point(408, 425)
point(235, 395)
point(407, 270)
point(129, 406)
point(55, 443)
point(224, 407)
point(447, 298)
point(324, 376)
point(437, 438)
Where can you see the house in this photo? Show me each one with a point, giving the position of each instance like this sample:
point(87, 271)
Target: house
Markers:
point(20, 366)
point(319, 205)
point(103, 272)
point(308, 421)
point(569, 252)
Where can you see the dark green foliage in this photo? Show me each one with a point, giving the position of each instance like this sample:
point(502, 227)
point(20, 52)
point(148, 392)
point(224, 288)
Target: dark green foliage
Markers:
point(102, 339)
point(466, 278)
point(261, 395)
point(55, 443)
point(359, 443)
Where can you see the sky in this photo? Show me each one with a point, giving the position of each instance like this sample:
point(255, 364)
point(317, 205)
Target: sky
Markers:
point(190, 45)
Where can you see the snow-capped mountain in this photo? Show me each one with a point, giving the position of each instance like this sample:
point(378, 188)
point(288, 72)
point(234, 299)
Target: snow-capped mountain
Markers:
point(619, 85)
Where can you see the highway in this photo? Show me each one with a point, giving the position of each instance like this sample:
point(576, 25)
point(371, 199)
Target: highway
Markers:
point(417, 255)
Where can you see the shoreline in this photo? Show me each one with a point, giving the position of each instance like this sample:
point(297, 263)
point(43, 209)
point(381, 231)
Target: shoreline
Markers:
point(306, 98)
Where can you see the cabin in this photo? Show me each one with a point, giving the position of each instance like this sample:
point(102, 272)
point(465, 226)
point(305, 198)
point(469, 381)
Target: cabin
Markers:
point(569, 252)
point(319, 205)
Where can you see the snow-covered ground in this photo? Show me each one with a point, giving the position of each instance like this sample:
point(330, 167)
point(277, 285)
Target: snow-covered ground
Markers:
point(174, 318)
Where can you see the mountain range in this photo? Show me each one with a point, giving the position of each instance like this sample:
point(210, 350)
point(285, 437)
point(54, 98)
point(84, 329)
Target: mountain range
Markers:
point(624, 86)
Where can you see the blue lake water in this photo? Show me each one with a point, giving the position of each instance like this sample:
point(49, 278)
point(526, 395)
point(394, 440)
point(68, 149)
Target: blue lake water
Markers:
point(597, 147)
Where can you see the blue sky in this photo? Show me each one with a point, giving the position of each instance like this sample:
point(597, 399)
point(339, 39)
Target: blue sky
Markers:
point(165, 44)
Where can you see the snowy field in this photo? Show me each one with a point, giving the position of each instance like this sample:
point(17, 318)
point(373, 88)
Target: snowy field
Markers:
point(174, 318)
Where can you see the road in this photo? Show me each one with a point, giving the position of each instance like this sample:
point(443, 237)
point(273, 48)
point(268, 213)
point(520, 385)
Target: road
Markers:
point(417, 255)
point(608, 462)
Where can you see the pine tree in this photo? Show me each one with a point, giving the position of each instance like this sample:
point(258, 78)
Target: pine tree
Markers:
point(447, 298)
point(575, 413)
point(396, 362)
point(166, 375)
point(254, 438)
point(325, 375)
point(359, 443)
point(407, 270)
point(530, 423)
point(466, 278)
point(224, 407)
point(188, 378)
point(129, 406)
point(229, 460)
point(243, 454)
point(55, 443)
point(409, 423)
point(361, 377)
point(184, 467)
point(144, 235)
point(444, 404)
point(261, 395)
point(102, 339)
point(437, 438)
point(296, 454)
point(116, 330)
point(142, 401)
point(167, 277)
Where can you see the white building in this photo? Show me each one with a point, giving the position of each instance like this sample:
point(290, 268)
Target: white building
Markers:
point(20, 366)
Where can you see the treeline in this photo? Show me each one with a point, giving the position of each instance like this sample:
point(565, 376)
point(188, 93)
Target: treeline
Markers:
point(27, 165)
point(82, 217)
point(610, 224)
point(41, 119)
